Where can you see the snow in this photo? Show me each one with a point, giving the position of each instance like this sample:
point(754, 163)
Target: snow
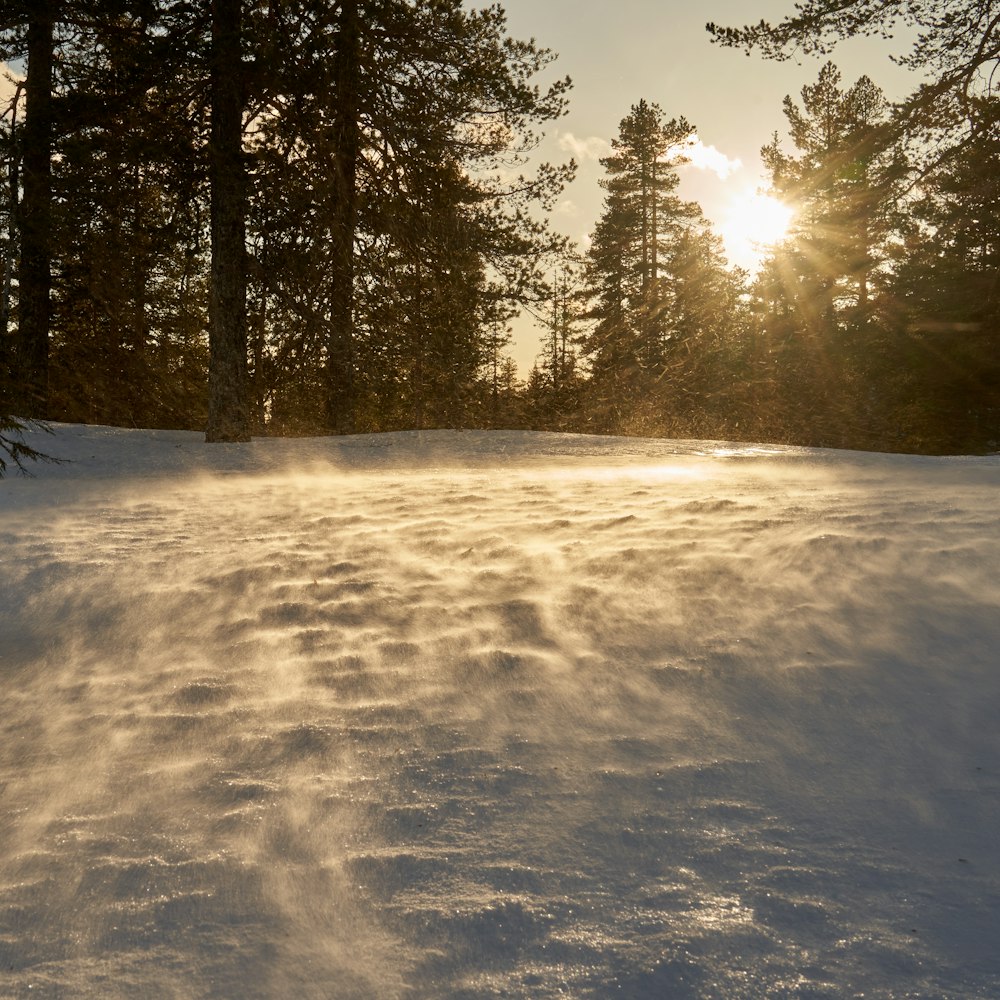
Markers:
point(474, 715)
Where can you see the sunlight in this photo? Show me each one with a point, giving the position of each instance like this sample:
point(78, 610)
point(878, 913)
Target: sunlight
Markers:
point(754, 222)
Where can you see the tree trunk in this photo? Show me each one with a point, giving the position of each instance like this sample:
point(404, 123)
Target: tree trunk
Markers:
point(35, 216)
point(13, 186)
point(419, 376)
point(645, 220)
point(654, 266)
point(228, 397)
point(340, 338)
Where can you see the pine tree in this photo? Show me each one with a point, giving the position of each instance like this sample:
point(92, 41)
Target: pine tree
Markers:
point(659, 286)
point(445, 98)
point(346, 155)
point(844, 190)
point(228, 402)
point(943, 364)
point(80, 190)
point(626, 263)
point(500, 391)
point(318, 129)
point(35, 211)
point(10, 190)
point(955, 51)
point(556, 388)
point(821, 294)
point(642, 179)
point(128, 230)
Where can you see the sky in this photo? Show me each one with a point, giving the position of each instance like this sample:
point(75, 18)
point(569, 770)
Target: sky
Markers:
point(454, 714)
point(658, 50)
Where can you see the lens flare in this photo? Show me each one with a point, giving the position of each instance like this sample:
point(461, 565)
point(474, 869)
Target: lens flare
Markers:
point(754, 222)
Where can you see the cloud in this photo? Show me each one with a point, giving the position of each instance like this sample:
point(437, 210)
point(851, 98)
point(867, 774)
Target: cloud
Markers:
point(567, 207)
point(697, 154)
point(584, 149)
point(703, 157)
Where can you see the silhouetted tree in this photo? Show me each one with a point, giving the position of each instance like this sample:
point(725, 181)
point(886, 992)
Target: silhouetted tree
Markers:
point(844, 190)
point(555, 389)
point(10, 192)
point(38, 21)
point(228, 398)
point(942, 363)
point(14, 447)
point(268, 165)
point(818, 294)
point(657, 276)
point(956, 49)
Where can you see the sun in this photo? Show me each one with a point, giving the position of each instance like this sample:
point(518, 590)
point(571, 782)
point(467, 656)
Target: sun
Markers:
point(753, 222)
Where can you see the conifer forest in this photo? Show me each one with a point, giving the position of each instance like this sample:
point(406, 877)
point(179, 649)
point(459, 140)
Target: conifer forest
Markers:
point(315, 217)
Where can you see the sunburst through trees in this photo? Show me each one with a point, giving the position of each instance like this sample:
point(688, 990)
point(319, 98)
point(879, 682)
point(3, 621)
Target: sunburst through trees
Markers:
point(386, 220)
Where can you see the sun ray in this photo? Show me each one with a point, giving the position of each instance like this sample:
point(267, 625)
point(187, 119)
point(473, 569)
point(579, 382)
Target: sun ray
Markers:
point(753, 223)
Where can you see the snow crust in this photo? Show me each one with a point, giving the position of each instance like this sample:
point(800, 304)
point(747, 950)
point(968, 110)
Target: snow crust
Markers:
point(490, 714)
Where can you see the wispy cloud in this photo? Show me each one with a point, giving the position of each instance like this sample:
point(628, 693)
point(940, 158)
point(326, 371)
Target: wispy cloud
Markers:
point(703, 157)
point(584, 149)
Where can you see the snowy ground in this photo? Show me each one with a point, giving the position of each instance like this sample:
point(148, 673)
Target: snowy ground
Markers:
point(473, 715)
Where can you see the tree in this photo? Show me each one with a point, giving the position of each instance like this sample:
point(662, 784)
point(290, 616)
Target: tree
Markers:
point(454, 104)
point(87, 210)
point(269, 165)
point(228, 400)
point(9, 199)
point(630, 245)
point(660, 290)
point(12, 444)
point(642, 179)
point(439, 103)
point(426, 342)
point(35, 211)
point(944, 356)
point(820, 295)
point(339, 383)
point(554, 390)
point(845, 193)
point(128, 319)
point(957, 47)
point(500, 389)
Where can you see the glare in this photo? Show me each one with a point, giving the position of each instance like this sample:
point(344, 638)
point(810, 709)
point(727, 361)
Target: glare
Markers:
point(754, 221)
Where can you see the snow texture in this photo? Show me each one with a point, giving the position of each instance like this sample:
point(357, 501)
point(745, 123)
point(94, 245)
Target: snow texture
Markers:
point(477, 715)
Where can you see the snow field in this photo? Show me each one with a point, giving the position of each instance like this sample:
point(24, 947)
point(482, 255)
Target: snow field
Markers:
point(498, 715)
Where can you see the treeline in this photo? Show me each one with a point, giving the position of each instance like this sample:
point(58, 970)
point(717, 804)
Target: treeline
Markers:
point(293, 217)
point(316, 217)
point(875, 324)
